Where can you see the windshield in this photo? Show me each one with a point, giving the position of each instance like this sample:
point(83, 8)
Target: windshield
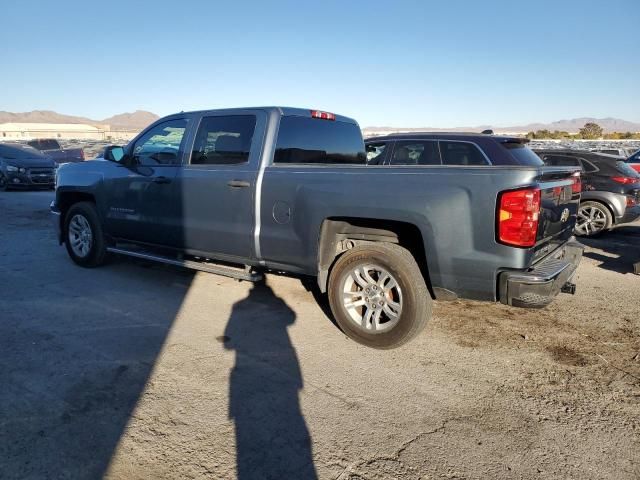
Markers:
point(524, 155)
point(18, 153)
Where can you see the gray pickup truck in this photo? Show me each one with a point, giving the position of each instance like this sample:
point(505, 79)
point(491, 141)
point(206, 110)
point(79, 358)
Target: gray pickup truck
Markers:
point(242, 191)
point(52, 148)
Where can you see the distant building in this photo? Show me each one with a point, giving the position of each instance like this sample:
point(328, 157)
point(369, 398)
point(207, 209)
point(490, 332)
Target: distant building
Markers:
point(79, 131)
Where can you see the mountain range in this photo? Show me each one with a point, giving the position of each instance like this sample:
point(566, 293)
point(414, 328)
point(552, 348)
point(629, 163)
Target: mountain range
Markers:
point(572, 126)
point(141, 118)
point(133, 121)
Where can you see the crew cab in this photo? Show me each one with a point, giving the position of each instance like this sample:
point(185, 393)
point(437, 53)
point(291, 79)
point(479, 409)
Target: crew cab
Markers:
point(240, 192)
point(52, 148)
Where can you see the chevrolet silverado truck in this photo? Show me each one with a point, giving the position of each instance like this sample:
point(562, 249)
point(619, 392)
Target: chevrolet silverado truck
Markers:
point(240, 192)
point(52, 148)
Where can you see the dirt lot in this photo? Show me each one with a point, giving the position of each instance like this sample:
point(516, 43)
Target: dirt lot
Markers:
point(135, 370)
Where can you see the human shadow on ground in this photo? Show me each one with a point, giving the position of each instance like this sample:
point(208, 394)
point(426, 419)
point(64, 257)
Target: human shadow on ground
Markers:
point(272, 438)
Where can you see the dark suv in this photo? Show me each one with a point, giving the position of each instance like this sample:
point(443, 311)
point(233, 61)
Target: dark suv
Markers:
point(610, 188)
point(449, 149)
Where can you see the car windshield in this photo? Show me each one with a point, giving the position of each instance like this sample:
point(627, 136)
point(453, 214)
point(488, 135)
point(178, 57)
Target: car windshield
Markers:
point(17, 153)
point(523, 154)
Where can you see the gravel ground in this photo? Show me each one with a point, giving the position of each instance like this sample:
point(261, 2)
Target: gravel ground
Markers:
point(136, 370)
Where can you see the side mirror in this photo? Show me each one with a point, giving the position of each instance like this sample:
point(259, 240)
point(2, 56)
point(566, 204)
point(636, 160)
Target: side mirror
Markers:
point(114, 153)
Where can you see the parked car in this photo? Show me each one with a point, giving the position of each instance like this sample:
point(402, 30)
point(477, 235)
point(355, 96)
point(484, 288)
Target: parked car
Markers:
point(52, 148)
point(22, 167)
point(449, 149)
point(634, 161)
point(610, 189)
point(620, 152)
point(289, 190)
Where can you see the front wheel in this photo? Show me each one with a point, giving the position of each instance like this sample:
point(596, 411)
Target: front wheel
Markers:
point(378, 295)
point(83, 235)
point(593, 219)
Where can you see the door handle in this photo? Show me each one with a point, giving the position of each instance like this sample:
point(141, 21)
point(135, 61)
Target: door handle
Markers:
point(161, 180)
point(238, 184)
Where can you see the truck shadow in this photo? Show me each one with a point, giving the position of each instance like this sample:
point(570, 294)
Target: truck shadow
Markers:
point(272, 438)
point(620, 249)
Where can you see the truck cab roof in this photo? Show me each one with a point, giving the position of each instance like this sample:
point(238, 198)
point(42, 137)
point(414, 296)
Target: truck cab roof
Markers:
point(283, 111)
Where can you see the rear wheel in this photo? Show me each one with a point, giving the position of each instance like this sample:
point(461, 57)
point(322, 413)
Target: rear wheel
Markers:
point(83, 235)
point(378, 295)
point(593, 219)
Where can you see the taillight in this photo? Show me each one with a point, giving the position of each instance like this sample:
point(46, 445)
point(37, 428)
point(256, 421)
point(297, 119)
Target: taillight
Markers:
point(631, 201)
point(625, 180)
point(518, 214)
point(323, 115)
point(576, 187)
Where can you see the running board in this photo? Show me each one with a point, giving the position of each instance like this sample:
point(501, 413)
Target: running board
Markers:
point(240, 274)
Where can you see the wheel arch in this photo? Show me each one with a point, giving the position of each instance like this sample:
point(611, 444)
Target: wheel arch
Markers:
point(66, 200)
point(340, 234)
point(615, 203)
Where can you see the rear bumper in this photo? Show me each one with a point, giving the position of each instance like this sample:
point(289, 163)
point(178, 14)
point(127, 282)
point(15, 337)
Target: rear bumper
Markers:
point(540, 284)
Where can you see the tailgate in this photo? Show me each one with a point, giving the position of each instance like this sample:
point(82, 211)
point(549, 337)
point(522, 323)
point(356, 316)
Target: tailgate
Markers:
point(559, 202)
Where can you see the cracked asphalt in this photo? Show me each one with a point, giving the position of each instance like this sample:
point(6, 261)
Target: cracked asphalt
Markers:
point(135, 371)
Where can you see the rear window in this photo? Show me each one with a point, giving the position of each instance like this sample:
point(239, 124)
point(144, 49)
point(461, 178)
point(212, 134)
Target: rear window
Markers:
point(524, 155)
point(314, 141)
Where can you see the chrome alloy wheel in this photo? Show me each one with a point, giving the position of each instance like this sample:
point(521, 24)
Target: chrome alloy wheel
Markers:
point(591, 220)
point(80, 235)
point(372, 298)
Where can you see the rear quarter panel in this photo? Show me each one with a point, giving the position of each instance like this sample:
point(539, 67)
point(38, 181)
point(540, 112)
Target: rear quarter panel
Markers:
point(453, 207)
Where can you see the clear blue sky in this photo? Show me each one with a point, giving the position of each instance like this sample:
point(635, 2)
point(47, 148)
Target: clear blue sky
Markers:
point(399, 63)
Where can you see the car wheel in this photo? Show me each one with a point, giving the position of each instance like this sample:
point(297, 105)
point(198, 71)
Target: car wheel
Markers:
point(593, 219)
point(83, 235)
point(378, 295)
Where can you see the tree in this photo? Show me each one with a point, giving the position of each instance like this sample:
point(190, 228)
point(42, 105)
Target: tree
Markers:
point(591, 130)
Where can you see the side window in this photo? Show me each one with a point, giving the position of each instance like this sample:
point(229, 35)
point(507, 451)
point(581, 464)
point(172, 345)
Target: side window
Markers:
point(461, 153)
point(305, 140)
point(161, 144)
point(375, 153)
point(561, 161)
point(224, 140)
point(416, 153)
point(588, 167)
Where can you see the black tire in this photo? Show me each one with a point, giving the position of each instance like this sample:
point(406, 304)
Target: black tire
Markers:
point(604, 217)
point(415, 300)
point(97, 252)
